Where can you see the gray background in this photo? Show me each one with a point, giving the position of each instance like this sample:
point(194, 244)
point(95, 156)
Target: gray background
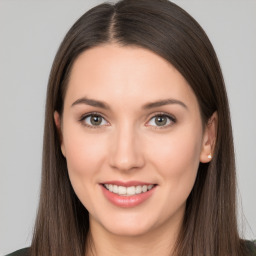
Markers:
point(30, 33)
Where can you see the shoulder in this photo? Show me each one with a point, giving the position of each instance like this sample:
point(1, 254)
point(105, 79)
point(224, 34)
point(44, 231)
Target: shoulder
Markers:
point(22, 252)
point(251, 247)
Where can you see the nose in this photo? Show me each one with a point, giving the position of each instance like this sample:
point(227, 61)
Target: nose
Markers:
point(126, 153)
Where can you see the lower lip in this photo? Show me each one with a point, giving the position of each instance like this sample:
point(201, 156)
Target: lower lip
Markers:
point(127, 201)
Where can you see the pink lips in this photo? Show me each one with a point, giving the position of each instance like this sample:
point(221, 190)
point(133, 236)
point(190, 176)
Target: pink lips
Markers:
point(127, 201)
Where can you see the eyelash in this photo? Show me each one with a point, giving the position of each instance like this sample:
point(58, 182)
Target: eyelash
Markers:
point(88, 115)
point(171, 118)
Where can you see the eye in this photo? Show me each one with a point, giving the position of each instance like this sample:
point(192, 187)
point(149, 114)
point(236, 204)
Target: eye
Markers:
point(161, 120)
point(93, 120)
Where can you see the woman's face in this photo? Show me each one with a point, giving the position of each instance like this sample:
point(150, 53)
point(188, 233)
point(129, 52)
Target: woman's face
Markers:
point(131, 123)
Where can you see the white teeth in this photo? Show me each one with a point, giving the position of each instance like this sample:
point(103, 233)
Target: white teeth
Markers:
point(138, 189)
point(115, 189)
point(121, 190)
point(128, 191)
point(150, 186)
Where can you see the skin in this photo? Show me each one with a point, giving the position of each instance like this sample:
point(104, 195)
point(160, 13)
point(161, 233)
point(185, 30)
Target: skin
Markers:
point(130, 145)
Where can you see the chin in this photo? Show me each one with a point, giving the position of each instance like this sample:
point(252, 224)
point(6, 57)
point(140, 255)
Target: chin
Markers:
point(129, 230)
point(128, 225)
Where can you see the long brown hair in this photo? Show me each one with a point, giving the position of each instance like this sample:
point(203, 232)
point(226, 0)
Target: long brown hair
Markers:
point(210, 225)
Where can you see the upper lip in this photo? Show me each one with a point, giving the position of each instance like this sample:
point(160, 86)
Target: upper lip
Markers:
point(127, 183)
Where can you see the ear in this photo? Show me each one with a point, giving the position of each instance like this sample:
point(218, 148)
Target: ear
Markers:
point(57, 122)
point(209, 139)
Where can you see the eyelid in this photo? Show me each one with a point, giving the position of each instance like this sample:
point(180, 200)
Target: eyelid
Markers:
point(171, 117)
point(84, 116)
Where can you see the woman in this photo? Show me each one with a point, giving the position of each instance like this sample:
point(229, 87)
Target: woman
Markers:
point(138, 149)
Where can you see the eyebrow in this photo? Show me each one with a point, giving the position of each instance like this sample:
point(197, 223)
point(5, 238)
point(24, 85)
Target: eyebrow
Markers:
point(101, 104)
point(163, 103)
point(91, 102)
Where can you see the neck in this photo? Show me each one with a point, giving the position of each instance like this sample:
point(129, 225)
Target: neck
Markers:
point(160, 241)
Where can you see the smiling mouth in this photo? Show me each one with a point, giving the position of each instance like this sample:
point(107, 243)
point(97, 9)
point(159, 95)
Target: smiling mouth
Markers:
point(128, 191)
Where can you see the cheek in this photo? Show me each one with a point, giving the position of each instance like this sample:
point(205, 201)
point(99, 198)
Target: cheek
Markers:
point(176, 160)
point(176, 157)
point(84, 155)
point(83, 152)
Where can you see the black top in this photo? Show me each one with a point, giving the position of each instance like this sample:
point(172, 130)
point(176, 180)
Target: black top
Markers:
point(251, 245)
point(22, 252)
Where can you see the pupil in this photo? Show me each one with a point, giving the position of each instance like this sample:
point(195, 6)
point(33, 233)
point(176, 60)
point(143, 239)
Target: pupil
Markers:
point(96, 120)
point(161, 120)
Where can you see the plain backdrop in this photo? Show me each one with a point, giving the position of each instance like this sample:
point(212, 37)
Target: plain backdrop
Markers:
point(30, 33)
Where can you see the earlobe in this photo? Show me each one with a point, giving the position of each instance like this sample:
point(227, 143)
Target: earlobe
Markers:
point(209, 139)
point(57, 122)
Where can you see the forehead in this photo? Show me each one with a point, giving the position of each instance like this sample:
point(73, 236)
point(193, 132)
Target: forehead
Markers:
point(121, 74)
